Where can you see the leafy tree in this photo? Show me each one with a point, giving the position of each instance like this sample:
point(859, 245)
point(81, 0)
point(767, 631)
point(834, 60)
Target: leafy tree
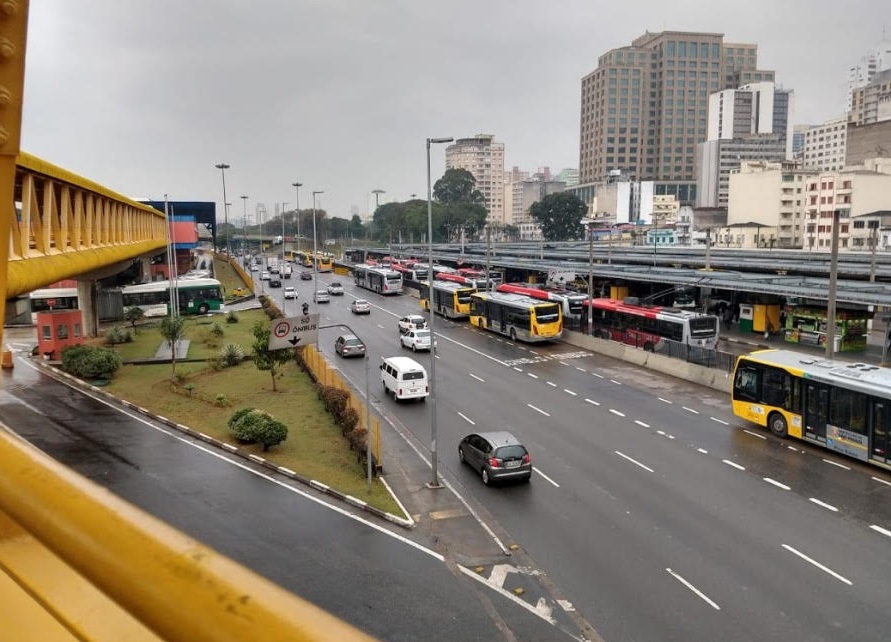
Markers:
point(559, 216)
point(356, 228)
point(172, 329)
point(264, 358)
point(134, 314)
point(457, 186)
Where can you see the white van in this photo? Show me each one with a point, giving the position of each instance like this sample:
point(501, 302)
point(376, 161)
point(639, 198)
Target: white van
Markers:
point(404, 378)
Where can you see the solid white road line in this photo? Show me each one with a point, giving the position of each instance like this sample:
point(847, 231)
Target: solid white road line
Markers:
point(664, 400)
point(616, 412)
point(754, 434)
point(570, 392)
point(594, 374)
point(480, 379)
point(518, 369)
point(882, 481)
point(538, 410)
point(720, 421)
point(618, 383)
point(818, 565)
point(702, 595)
point(695, 412)
point(534, 376)
point(634, 461)
point(592, 402)
point(734, 464)
point(879, 529)
point(538, 470)
point(467, 419)
point(552, 384)
point(776, 483)
point(640, 423)
point(835, 463)
point(824, 504)
point(580, 369)
point(702, 450)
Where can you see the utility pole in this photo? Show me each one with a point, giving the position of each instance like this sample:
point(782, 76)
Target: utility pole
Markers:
point(833, 286)
point(297, 187)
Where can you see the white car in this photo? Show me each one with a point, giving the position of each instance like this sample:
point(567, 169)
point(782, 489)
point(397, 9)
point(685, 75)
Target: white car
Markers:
point(360, 306)
point(322, 296)
point(335, 289)
point(419, 339)
point(265, 276)
point(411, 322)
point(291, 292)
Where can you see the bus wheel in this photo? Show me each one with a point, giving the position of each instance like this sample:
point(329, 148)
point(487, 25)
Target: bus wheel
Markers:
point(513, 334)
point(649, 347)
point(203, 309)
point(777, 424)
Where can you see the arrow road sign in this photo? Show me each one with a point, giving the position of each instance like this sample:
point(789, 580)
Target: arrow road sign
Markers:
point(294, 332)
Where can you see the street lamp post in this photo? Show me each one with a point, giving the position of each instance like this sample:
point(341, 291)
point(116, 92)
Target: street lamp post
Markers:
point(590, 278)
point(434, 479)
point(297, 187)
point(244, 221)
point(377, 203)
point(315, 260)
point(284, 207)
point(223, 167)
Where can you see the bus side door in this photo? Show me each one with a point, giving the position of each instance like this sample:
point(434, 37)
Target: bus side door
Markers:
point(816, 411)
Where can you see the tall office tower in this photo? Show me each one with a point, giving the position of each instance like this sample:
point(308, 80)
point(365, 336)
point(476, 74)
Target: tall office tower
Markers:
point(879, 59)
point(484, 158)
point(871, 103)
point(825, 145)
point(645, 107)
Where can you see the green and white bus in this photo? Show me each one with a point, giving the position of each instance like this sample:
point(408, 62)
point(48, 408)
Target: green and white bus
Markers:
point(195, 296)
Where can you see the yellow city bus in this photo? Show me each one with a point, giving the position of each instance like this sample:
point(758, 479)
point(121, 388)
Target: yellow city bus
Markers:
point(517, 316)
point(842, 406)
point(450, 299)
point(324, 263)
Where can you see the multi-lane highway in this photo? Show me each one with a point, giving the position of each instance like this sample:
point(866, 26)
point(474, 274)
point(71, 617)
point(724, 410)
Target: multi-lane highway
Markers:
point(653, 513)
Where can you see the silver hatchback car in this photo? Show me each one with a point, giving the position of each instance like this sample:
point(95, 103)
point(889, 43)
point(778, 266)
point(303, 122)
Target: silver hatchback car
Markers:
point(496, 455)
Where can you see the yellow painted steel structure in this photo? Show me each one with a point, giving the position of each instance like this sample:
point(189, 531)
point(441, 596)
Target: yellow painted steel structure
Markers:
point(66, 225)
point(164, 585)
point(76, 562)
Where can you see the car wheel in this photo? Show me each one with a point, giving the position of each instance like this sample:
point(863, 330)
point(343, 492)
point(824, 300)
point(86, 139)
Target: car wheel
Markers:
point(485, 475)
point(461, 455)
point(395, 396)
point(414, 347)
point(777, 424)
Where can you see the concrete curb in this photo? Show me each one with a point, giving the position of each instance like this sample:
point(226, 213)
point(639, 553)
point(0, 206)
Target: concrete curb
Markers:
point(405, 522)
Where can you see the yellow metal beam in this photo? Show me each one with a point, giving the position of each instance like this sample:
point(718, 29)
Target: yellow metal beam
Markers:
point(180, 589)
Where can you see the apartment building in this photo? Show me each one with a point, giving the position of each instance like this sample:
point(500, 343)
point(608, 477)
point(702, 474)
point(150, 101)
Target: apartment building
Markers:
point(825, 145)
point(862, 73)
point(871, 103)
point(484, 158)
point(645, 107)
point(526, 190)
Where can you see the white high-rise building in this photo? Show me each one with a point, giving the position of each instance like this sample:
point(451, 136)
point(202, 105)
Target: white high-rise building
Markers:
point(484, 158)
point(879, 59)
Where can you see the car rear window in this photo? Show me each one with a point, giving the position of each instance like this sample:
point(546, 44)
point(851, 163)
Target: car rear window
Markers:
point(353, 342)
point(410, 376)
point(510, 452)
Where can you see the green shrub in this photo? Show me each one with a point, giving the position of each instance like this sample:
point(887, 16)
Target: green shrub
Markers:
point(231, 354)
point(348, 420)
point(231, 317)
point(216, 330)
point(251, 425)
point(221, 400)
point(118, 334)
point(89, 362)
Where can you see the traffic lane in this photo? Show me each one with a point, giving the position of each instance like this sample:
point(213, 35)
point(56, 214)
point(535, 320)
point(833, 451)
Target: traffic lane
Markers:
point(511, 509)
point(857, 488)
point(516, 502)
point(267, 527)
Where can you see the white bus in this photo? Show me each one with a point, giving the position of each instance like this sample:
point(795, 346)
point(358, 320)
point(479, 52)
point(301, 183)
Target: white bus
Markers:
point(196, 296)
point(382, 280)
point(47, 299)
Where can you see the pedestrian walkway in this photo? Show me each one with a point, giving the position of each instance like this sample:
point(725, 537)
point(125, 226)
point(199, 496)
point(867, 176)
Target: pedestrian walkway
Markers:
point(738, 342)
point(182, 350)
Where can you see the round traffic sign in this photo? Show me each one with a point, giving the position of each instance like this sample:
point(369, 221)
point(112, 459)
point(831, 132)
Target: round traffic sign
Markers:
point(282, 329)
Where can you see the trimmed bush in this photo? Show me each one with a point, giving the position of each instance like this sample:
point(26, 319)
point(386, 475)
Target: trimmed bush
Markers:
point(348, 420)
point(118, 334)
point(89, 362)
point(251, 425)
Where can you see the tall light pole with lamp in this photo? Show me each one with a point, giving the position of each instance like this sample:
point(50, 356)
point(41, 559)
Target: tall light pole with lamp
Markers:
point(244, 222)
point(223, 167)
point(377, 203)
point(434, 479)
point(297, 187)
point(284, 207)
point(315, 261)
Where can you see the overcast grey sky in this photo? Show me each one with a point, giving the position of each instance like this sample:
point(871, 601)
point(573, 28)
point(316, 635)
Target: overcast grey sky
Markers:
point(145, 97)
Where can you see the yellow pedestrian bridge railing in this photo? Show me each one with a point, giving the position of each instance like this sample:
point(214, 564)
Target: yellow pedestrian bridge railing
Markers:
point(67, 226)
point(79, 563)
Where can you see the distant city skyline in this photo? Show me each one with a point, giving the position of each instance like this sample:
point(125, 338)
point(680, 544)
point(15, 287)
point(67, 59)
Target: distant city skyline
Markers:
point(328, 96)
